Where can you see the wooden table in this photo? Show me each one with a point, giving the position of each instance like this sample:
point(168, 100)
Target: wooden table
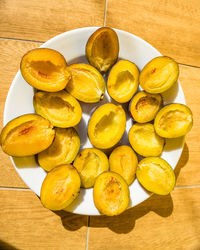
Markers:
point(168, 222)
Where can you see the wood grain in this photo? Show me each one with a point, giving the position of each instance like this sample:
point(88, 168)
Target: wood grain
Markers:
point(41, 20)
point(188, 166)
point(11, 54)
point(170, 26)
point(168, 222)
point(26, 224)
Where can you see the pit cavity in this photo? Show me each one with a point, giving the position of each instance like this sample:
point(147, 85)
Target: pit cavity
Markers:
point(91, 165)
point(124, 82)
point(106, 125)
point(112, 193)
point(173, 120)
point(44, 69)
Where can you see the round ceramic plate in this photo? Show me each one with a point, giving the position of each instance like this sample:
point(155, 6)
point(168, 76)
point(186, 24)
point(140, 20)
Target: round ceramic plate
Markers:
point(71, 45)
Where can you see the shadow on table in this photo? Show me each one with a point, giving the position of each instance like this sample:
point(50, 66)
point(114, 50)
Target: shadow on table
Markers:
point(5, 246)
point(125, 222)
point(72, 222)
point(182, 161)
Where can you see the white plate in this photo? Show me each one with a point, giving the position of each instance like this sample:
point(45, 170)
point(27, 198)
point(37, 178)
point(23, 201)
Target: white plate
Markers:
point(71, 44)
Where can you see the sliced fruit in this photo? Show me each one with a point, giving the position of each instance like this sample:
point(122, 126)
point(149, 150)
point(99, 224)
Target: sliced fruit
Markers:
point(123, 81)
point(45, 69)
point(145, 141)
point(159, 74)
point(102, 48)
point(63, 150)
point(144, 106)
point(90, 163)
point(60, 108)
point(26, 135)
point(156, 175)
point(123, 161)
point(111, 194)
point(60, 187)
point(86, 84)
point(174, 120)
point(107, 125)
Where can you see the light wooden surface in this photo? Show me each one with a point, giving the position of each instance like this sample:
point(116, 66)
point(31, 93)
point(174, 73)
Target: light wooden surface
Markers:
point(25, 224)
point(171, 26)
point(168, 222)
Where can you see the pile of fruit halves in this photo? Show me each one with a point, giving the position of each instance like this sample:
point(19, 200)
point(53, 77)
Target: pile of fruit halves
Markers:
point(50, 134)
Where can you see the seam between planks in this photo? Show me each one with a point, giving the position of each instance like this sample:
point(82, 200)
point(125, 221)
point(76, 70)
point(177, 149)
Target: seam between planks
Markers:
point(21, 40)
point(87, 233)
point(105, 13)
point(15, 188)
point(28, 189)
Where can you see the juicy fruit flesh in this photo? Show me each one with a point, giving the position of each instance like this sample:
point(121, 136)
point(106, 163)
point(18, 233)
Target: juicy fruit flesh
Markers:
point(57, 107)
point(102, 51)
point(145, 136)
point(156, 176)
point(112, 194)
point(146, 105)
point(86, 84)
point(60, 187)
point(45, 70)
point(60, 108)
point(124, 82)
point(103, 46)
point(160, 76)
point(63, 150)
point(24, 139)
point(107, 126)
point(123, 161)
point(145, 141)
point(90, 163)
point(173, 120)
point(83, 76)
point(91, 169)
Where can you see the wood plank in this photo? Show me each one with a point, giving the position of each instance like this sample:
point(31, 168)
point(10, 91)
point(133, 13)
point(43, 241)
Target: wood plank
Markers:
point(162, 222)
point(26, 224)
point(42, 20)
point(170, 26)
point(11, 54)
point(188, 166)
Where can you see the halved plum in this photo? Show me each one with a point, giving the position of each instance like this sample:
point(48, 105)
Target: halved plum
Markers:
point(26, 135)
point(107, 125)
point(123, 81)
point(145, 141)
point(123, 161)
point(156, 175)
point(60, 108)
point(159, 74)
point(60, 187)
point(90, 163)
point(45, 69)
point(144, 106)
point(86, 84)
point(102, 48)
point(111, 194)
point(174, 120)
point(63, 150)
